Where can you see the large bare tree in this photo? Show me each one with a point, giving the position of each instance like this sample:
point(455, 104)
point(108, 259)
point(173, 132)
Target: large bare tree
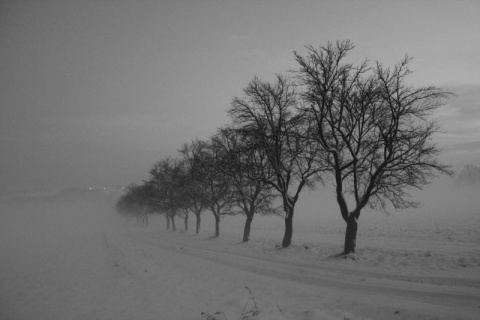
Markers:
point(374, 127)
point(267, 117)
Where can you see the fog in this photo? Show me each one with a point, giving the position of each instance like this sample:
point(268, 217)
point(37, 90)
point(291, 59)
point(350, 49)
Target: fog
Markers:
point(63, 253)
point(53, 259)
point(95, 92)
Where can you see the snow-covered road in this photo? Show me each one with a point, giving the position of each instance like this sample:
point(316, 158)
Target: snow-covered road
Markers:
point(331, 286)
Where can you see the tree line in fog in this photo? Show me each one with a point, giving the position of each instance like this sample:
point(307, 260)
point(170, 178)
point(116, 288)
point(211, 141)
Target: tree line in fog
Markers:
point(359, 129)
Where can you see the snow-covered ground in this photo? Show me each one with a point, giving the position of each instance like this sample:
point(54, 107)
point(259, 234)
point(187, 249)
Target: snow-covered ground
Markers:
point(77, 259)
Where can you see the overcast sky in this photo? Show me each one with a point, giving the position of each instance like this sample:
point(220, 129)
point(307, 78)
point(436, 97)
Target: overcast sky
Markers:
point(95, 92)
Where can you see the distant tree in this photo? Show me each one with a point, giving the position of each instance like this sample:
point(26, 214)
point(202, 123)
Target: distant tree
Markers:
point(210, 184)
point(196, 203)
point(168, 179)
point(195, 174)
point(268, 119)
point(185, 214)
point(136, 202)
point(469, 176)
point(374, 128)
point(240, 163)
point(126, 203)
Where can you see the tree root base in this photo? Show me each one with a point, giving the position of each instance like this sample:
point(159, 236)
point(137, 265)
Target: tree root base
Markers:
point(351, 255)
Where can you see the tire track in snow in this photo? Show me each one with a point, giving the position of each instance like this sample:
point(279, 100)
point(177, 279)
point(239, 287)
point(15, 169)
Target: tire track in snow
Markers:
point(457, 293)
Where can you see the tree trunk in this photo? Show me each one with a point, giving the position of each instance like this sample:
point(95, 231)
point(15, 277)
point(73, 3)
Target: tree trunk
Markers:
point(173, 223)
point(246, 230)
point(198, 224)
point(287, 238)
point(351, 235)
point(168, 221)
point(217, 225)
point(186, 222)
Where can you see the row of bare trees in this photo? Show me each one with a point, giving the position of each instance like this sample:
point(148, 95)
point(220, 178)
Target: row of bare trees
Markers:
point(358, 128)
point(208, 175)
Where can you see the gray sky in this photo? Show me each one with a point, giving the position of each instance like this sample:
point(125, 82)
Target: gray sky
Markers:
point(94, 92)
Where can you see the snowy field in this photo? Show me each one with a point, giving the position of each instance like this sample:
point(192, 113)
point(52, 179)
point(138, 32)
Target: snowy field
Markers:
point(77, 259)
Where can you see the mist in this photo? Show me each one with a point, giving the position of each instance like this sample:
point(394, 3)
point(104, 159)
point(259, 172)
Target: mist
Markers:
point(95, 92)
point(53, 257)
point(69, 255)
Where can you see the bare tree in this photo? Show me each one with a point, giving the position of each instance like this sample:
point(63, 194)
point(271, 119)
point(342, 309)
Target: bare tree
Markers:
point(210, 183)
point(239, 163)
point(374, 127)
point(267, 118)
point(185, 215)
point(168, 179)
point(469, 176)
point(136, 201)
point(196, 202)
